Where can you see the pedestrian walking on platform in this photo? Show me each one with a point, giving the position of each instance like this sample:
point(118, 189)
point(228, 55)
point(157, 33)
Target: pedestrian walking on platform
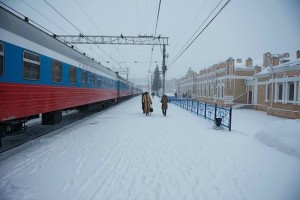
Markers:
point(147, 103)
point(164, 104)
point(143, 105)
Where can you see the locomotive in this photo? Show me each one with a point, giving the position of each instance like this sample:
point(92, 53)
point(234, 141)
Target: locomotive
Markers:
point(42, 76)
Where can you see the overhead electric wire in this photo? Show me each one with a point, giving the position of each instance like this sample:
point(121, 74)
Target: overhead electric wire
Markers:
point(110, 56)
point(91, 20)
point(62, 16)
point(18, 13)
point(37, 25)
point(188, 41)
point(189, 27)
point(157, 17)
point(81, 32)
point(176, 58)
point(87, 15)
point(44, 17)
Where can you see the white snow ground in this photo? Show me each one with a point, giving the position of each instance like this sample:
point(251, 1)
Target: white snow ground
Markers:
point(121, 154)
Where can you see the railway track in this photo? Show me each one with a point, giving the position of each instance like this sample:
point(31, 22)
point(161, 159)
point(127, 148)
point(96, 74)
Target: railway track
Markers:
point(36, 130)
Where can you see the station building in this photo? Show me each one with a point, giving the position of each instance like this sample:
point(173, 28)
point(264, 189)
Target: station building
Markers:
point(276, 89)
point(271, 84)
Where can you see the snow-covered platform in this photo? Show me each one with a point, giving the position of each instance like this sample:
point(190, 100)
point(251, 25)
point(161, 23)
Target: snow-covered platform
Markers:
point(122, 154)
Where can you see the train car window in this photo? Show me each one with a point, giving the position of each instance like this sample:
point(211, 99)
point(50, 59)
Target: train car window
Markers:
point(72, 75)
point(1, 59)
point(103, 81)
point(92, 79)
point(31, 66)
point(84, 78)
point(56, 71)
point(98, 81)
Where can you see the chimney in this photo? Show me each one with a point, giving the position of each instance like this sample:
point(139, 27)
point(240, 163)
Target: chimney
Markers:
point(275, 60)
point(267, 59)
point(249, 62)
point(298, 54)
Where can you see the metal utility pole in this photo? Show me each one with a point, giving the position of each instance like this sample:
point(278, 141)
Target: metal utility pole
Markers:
point(164, 69)
point(125, 40)
point(119, 40)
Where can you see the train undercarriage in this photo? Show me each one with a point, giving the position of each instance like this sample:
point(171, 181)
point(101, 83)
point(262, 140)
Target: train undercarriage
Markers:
point(18, 126)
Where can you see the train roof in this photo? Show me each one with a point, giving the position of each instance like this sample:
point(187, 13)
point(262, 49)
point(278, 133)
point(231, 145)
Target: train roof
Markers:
point(14, 25)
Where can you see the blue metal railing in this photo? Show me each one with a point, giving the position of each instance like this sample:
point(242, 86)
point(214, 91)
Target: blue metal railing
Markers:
point(206, 110)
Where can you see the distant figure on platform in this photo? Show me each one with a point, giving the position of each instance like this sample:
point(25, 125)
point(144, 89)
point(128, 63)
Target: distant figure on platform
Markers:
point(175, 95)
point(164, 104)
point(143, 105)
point(152, 94)
point(147, 103)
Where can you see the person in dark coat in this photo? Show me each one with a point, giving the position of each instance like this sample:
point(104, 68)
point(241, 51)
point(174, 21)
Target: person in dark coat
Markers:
point(143, 106)
point(164, 104)
point(152, 94)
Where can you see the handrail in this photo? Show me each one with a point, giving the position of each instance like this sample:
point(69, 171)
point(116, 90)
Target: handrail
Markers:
point(236, 98)
point(206, 110)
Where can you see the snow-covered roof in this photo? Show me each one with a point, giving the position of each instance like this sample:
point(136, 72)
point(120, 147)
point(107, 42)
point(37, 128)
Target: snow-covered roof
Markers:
point(289, 64)
point(242, 66)
point(265, 71)
point(285, 66)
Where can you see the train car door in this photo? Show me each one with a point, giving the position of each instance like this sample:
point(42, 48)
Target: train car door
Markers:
point(118, 89)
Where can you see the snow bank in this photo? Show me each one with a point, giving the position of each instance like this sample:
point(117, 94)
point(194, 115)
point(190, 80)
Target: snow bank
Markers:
point(283, 136)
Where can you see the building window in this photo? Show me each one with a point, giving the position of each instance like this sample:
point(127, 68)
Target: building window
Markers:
point(231, 70)
point(56, 71)
point(31, 66)
point(280, 91)
point(1, 59)
point(291, 86)
point(84, 78)
point(222, 91)
point(268, 92)
point(72, 75)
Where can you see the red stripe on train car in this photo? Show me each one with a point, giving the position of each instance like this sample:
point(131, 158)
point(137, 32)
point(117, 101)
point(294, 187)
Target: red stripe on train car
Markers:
point(124, 93)
point(21, 100)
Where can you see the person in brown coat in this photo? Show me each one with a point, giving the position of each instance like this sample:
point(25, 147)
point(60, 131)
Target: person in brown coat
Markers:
point(147, 103)
point(164, 104)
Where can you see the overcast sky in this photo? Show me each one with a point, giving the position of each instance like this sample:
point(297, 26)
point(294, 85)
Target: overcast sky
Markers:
point(245, 28)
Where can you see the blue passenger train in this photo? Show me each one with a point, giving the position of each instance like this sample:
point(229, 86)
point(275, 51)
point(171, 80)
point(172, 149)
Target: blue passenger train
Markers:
point(40, 75)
